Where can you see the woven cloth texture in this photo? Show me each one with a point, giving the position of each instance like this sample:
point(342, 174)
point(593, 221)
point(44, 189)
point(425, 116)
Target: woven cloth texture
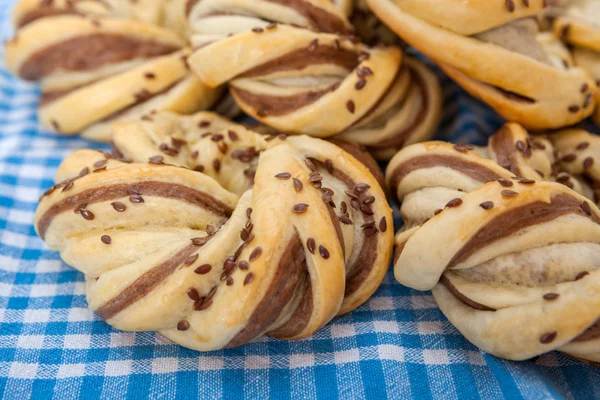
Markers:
point(397, 345)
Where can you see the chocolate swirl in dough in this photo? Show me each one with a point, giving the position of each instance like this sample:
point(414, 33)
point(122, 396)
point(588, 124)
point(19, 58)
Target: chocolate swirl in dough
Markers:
point(508, 256)
point(318, 80)
point(205, 260)
point(103, 61)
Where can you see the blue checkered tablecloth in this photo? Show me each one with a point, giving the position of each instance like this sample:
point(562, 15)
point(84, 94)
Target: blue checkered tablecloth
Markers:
point(397, 345)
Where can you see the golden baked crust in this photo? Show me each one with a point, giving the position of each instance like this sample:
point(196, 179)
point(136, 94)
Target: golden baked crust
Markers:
point(321, 84)
point(169, 249)
point(494, 54)
point(94, 50)
point(498, 246)
point(515, 269)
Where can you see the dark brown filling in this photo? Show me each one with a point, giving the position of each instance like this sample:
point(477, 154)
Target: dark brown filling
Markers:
point(318, 19)
point(361, 268)
point(513, 96)
point(362, 156)
point(90, 52)
point(402, 136)
point(43, 12)
point(301, 315)
point(144, 284)
point(474, 170)
point(398, 249)
point(464, 299)
point(290, 269)
point(275, 106)
point(338, 228)
point(591, 333)
point(151, 188)
point(506, 153)
point(512, 221)
point(300, 59)
point(49, 97)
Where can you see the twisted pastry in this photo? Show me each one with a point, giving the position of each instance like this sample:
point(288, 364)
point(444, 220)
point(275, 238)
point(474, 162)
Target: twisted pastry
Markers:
point(578, 26)
point(321, 84)
point(170, 249)
point(491, 48)
point(427, 176)
point(578, 158)
point(97, 67)
point(516, 269)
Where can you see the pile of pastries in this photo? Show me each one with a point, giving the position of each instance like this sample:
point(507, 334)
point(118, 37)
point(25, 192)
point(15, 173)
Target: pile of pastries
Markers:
point(214, 232)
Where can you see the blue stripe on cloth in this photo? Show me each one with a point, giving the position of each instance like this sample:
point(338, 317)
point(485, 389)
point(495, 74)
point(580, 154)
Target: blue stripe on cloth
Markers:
point(398, 345)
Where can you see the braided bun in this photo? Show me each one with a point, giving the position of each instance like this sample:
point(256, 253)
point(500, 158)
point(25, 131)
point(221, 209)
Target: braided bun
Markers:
point(169, 249)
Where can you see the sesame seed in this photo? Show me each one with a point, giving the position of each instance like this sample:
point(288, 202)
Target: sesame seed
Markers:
point(216, 165)
point(323, 252)
point(68, 186)
point(233, 136)
point(454, 203)
point(202, 305)
point(361, 188)
point(366, 209)
point(283, 175)
point(588, 162)
point(344, 219)
point(249, 278)
point(505, 182)
point(191, 259)
point(297, 185)
point(487, 205)
point(86, 214)
point(360, 84)
point(105, 239)
point(118, 206)
point(149, 75)
point(583, 145)
point(203, 124)
point(136, 198)
point(510, 5)
point(311, 245)
point(509, 193)
point(183, 325)
point(255, 254)
point(574, 108)
point(193, 294)
point(203, 269)
point(383, 224)
point(300, 208)
point(350, 106)
point(257, 30)
point(548, 337)
point(551, 296)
